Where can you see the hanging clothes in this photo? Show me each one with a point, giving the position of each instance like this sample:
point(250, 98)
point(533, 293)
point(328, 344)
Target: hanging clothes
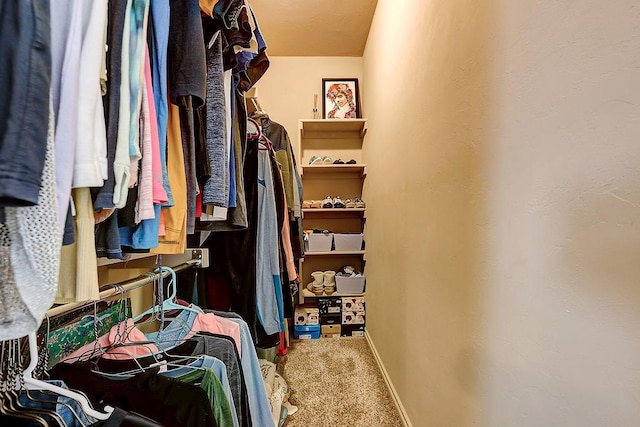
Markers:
point(25, 49)
point(268, 285)
point(30, 243)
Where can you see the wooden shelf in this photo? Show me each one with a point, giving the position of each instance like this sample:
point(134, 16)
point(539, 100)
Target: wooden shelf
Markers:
point(333, 128)
point(306, 293)
point(353, 168)
point(335, 253)
point(131, 257)
point(333, 210)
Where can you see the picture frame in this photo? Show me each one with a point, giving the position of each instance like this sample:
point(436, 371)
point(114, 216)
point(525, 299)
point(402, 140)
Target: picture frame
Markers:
point(340, 98)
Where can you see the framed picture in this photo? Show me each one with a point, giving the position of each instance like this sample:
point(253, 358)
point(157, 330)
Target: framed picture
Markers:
point(341, 99)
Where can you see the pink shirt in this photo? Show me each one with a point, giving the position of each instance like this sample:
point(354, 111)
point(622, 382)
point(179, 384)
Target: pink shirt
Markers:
point(159, 194)
point(122, 333)
point(209, 322)
point(144, 206)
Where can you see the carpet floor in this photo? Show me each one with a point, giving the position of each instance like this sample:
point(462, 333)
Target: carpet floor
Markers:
point(336, 382)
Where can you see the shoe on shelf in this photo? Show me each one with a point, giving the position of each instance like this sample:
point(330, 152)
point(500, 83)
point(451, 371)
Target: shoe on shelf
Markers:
point(316, 204)
point(315, 160)
point(351, 162)
point(327, 160)
point(338, 203)
point(327, 202)
point(306, 204)
point(350, 203)
point(338, 162)
point(359, 203)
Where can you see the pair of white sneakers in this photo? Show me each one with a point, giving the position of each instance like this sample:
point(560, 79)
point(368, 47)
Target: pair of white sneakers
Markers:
point(330, 202)
point(316, 160)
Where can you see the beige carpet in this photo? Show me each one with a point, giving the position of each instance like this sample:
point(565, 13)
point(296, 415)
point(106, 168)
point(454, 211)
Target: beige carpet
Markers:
point(336, 382)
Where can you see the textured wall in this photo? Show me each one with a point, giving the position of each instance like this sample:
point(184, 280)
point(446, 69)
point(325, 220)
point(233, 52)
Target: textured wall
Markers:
point(503, 231)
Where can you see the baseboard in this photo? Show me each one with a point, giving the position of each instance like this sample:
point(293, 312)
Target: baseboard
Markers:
point(396, 399)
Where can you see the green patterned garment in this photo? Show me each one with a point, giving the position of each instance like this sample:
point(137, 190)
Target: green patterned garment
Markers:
point(62, 340)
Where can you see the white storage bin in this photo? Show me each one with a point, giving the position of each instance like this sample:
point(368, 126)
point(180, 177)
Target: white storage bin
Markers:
point(350, 285)
point(348, 242)
point(319, 242)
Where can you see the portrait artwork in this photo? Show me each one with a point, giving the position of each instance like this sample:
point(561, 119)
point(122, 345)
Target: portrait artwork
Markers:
point(340, 99)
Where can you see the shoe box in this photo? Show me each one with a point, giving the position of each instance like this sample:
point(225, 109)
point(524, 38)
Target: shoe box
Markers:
point(353, 311)
point(353, 318)
point(331, 305)
point(331, 331)
point(306, 316)
point(330, 310)
point(306, 332)
point(353, 304)
point(352, 330)
point(331, 319)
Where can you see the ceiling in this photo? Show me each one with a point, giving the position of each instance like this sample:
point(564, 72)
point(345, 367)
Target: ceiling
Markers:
point(314, 27)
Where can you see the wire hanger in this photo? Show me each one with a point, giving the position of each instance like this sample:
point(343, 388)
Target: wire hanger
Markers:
point(35, 384)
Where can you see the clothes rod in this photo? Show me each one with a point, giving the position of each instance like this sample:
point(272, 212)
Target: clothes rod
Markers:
point(121, 288)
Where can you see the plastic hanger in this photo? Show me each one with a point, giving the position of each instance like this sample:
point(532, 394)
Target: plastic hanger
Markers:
point(253, 129)
point(254, 133)
point(34, 384)
point(168, 304)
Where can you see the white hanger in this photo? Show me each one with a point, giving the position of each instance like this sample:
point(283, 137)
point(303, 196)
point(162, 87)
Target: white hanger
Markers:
point(34, 384)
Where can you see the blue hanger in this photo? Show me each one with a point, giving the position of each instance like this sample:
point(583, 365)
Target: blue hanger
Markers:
point(168, 304)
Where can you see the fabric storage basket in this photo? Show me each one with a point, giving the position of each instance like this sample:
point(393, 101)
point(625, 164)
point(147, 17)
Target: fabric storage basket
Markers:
point(348, 242)
point(319, 242)
point(350, 285)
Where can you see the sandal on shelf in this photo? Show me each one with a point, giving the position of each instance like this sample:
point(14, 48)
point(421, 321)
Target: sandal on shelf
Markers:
point(327, 160)
point(306, 204)
point(350, 204)
point(315, 160)
point(316, 204)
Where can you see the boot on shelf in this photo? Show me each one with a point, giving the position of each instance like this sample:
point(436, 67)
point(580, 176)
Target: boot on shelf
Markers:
point(329, 282)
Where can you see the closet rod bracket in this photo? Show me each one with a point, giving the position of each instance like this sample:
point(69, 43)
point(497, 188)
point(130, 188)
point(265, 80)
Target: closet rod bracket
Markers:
point(201, 255)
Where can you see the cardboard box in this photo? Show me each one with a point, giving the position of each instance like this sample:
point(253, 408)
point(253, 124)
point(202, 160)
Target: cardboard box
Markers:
point(319, 242)
point(306, 316)
point(350, 285)
point(353, 318)
point(331, 305)
point(330, 330)
point(353, 304)
point(331, 319)
point(306, 332)
point(348, 242)
point(352, 330)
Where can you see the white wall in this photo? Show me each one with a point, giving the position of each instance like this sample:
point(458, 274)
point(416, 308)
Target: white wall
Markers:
point(503, 230)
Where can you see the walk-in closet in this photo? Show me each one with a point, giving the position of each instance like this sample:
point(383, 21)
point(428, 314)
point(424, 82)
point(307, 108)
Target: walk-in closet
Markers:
point(295, 213)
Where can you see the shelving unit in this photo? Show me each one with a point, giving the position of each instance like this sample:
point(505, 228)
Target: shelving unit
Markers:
point(339, 139)
point(308, 294)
